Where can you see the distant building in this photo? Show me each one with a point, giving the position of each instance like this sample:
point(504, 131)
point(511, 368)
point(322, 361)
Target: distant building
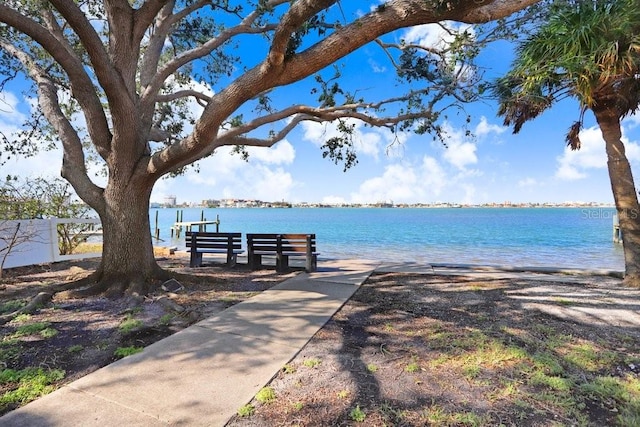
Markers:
point(170, 201)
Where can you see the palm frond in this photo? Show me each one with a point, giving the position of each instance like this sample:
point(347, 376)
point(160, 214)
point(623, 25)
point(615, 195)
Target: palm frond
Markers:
point(573, 136)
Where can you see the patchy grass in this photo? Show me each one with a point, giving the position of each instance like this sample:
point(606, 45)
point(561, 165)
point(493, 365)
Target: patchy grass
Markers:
point(11, 306)
point(246, 410)
point(121, 352)
point(43, 329)
point(23, 386)
point(312, 363)
point(457, 351)
point(130, 324)
point(266, 395)
point(357, 414)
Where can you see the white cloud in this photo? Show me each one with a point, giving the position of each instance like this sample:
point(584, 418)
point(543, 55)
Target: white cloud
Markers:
point(433, 35)
point(469, 195)
point(436, 37)
point(574, 164)
point(434, 178)
point(632, 121)
point(10, 117)
point(485, 128)
point(260, 182)
point(376, 67)
point(459, 153)
point(527, 182)
point(44, 164)
point(403, 182)
point(367, 141)
point(397, 183)
point(281, 153)
point(224, 175)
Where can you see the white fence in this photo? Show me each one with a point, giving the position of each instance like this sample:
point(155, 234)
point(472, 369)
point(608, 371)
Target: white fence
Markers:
point(36, 241)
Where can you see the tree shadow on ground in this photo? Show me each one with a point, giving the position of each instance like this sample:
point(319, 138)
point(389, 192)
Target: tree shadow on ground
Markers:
point(414, 350)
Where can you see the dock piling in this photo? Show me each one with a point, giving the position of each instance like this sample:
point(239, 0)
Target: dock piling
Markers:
point(617, 232)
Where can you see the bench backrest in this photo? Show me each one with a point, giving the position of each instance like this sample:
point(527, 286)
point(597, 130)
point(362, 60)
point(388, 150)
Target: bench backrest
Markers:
point(305, 243)
point(210, 240)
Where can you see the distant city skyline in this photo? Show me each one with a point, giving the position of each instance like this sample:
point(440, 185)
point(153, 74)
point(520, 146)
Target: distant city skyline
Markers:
point(172, 202)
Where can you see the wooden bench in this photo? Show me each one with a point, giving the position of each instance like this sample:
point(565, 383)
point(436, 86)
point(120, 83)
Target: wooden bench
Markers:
point(200, 242)
point(282, 246)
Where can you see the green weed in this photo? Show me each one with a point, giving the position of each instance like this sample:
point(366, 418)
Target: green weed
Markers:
point(21, 318)
point(547, 363)
point(395, 416)
point(31, 384)
point(75, 348)
point(42, 328)
point(246, 410)
point(357, 414)
point(312, 363)
point(289, 369)
point(468, 419)
point(586, 356)
point(127, 351)
point(372, 368)
point(623, 390)
point(165, 319)
point(130, 324)
point(553, 382)
point(436, 415)
point(11, 306)
point(508, 390)
point(266, 395)
point(412, 367)
point(471, 371)
point(9, 353)
point(343, 394)
point(48, 333)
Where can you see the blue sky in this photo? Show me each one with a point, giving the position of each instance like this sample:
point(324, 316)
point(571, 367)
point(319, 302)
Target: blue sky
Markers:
point(494, 166)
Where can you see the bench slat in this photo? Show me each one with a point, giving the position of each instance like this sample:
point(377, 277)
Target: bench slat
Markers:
point(282, 246)
point(199, 243)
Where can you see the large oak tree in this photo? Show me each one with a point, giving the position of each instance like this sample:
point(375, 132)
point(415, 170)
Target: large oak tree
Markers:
point(125, 66)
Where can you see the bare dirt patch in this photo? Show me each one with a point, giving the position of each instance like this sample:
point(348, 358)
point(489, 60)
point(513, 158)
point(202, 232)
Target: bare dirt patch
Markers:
point(77, 336)
point(416, 350)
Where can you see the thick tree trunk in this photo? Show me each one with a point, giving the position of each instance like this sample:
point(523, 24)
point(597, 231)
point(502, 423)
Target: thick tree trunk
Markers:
point(128, 262)
point(624, 191)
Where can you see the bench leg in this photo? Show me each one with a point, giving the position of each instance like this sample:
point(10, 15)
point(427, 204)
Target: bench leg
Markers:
point(255, 261)
point(232, 260)
point(282, 263)
point(312, 263)
point(196, 259)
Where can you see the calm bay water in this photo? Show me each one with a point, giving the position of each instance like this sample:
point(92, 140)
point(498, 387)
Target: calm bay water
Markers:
point(559, 237)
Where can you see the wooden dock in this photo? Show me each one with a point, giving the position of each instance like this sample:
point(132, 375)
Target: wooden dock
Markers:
point(189, 225)
point(179, 225)
point(617, 232)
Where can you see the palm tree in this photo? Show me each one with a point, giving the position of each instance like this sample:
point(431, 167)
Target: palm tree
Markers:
point(588, 50)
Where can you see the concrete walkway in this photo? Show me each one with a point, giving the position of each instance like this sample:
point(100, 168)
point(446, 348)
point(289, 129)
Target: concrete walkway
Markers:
point(201, 375)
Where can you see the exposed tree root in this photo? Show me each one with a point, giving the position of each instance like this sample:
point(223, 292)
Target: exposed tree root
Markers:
point(40, 300)
point(76, 284)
